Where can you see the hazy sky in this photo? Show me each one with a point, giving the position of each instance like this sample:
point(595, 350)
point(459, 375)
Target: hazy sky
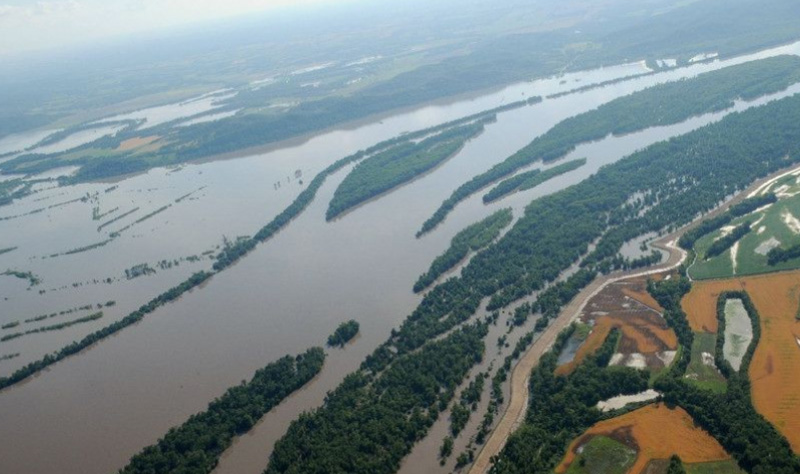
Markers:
point(36, 25)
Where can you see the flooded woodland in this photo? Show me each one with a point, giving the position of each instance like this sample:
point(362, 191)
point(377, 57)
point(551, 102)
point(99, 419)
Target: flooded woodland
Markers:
point(112, 246)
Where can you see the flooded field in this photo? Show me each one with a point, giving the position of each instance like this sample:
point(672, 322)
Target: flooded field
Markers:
point(646, 340)
point(289, 294)
point(738, 332)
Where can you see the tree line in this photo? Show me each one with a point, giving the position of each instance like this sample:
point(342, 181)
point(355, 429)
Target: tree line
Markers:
point(196, 445)
point(659, 105)
point(472, 238)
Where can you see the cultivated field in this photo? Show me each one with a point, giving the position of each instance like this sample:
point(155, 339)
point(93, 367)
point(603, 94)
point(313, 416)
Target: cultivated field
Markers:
point(775, 225)
point(643, 430)
point(646, 342)
point(776, 362)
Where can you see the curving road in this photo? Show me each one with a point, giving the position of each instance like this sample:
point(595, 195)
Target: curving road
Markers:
point(518, 403)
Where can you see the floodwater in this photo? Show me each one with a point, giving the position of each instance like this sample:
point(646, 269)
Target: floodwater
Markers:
point(20, 141)
point(91, 412)
point(167, 113)
point(738, 332)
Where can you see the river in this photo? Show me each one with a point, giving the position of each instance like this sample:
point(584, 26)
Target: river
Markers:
point(91, 412)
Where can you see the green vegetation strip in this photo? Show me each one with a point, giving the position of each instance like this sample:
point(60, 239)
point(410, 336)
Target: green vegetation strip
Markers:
point(231, 253)
point(75, 347)
point(196, 445)
point(343, 334)
point(690, 175)
point(54, 327)
point(121, 216)
point(660, 105)
point(724, 243)
point(370, 422)
point(705, 227)
point(474, 237)
point(398, 165)
point(530, 179)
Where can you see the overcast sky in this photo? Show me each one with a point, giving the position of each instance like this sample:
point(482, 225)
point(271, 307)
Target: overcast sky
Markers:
point(40, 25)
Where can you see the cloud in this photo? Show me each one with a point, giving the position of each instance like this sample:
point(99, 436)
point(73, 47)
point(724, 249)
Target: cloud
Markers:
point(10, 10)
point(41, 8)
point(56, 7)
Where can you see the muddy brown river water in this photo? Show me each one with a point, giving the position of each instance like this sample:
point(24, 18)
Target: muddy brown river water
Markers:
point(89, 413)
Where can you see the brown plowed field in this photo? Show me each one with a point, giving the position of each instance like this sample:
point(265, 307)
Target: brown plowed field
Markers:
point(626, 305)
point(644, 430)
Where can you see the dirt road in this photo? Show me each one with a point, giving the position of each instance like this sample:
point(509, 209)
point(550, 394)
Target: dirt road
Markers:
point(515, 411)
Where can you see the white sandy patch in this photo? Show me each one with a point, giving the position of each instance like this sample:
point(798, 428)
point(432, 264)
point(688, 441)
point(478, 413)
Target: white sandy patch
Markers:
point(620, 401)
point(767, 245)
point(797, 339)
point(616, 359)
point(761, 229)
point(667, 357)
point(764, 187)
point(734, 254)
point(763, 208)
point(724, 231)
point(636, 361)
point(781, 189)
point(791, 222)
point(708, 359)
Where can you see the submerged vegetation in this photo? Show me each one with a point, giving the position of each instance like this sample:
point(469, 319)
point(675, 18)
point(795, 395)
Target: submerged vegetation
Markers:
point(474, 238)
point(32, 279)
point(674, 102)
point(530, 179)
point(231, 253)
point(372, 420)
point(76, 346)
point(196, 445)
point(343, 334)
point(54, 327)
point(399, 164)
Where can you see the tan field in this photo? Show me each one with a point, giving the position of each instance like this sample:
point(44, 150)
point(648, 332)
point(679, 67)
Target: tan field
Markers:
point(136, 142)
point(643, 430)
point(776, 362)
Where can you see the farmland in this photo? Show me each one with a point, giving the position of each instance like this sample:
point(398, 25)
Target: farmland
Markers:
point(775, 387)
point(771, 226)
point(646, 341)
point(643, 431)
